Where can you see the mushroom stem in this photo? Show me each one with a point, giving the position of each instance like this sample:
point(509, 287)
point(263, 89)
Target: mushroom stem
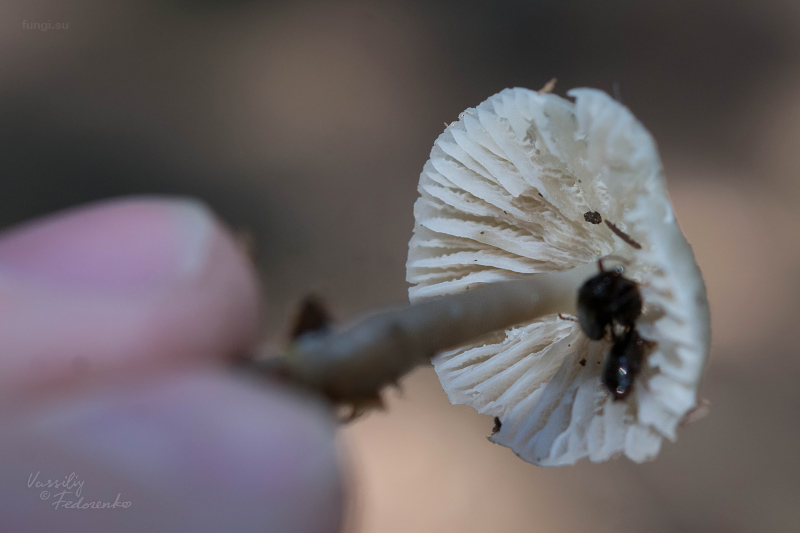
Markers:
point(354, 364)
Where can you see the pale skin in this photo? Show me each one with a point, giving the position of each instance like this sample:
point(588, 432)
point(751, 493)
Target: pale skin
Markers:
point(116, 338)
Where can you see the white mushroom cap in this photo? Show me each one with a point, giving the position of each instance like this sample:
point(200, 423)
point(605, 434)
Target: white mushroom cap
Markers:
point(503, 196)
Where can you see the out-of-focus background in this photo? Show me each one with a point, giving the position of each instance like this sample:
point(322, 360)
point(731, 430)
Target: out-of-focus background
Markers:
point(307, 124)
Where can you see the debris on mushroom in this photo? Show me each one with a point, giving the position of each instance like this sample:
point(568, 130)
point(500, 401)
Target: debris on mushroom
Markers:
point(517, 188)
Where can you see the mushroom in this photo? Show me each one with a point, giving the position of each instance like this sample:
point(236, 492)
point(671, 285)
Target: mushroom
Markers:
point(525, 186)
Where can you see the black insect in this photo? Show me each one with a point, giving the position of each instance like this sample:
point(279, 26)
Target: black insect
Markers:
point(623, 364)
point(606, 300)
point(608, 306)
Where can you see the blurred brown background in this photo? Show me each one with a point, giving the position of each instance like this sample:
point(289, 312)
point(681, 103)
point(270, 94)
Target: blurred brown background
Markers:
point(307, 124)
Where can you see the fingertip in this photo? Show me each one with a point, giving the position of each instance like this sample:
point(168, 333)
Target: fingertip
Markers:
point(121, 286)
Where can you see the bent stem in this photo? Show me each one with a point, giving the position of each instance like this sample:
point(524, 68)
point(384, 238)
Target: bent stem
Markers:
point(352, 366)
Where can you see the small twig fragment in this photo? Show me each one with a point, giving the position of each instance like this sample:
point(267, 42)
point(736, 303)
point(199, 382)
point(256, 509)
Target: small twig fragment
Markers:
point(497, 426)
point(313, 316)
point(622, 235)
point(548, 87)
point(699, 411)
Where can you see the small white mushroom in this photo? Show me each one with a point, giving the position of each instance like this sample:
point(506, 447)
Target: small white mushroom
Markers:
point(517, 188)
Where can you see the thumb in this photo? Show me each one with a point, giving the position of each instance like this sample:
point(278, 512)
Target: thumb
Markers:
point(192, 452)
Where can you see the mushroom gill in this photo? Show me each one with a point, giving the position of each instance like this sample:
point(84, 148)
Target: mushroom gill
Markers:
point(528, 183)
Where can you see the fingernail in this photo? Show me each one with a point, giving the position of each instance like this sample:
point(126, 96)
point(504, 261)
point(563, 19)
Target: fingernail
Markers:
point(124, 244)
